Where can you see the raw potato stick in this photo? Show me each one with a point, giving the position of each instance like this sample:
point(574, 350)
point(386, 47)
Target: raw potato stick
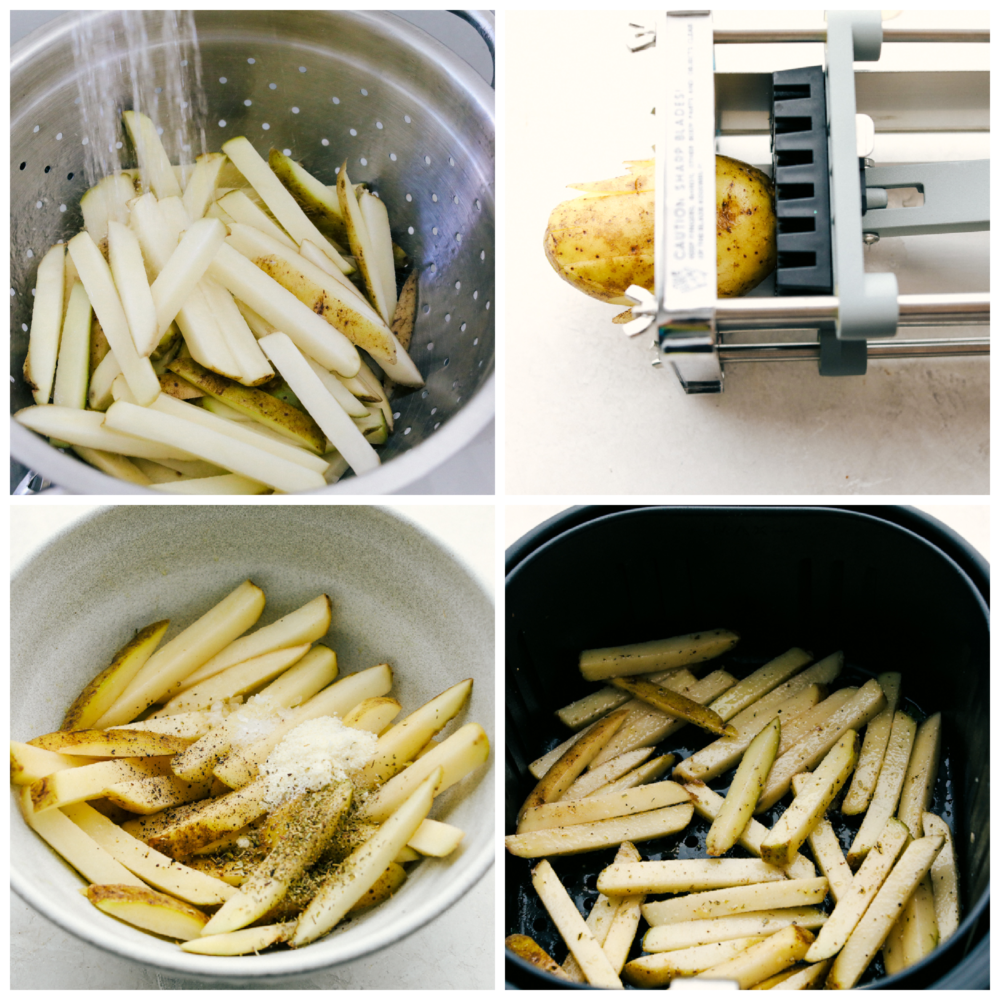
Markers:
point(873, 751)
point(46, 323)
point(760, 682)
point(530, 950)
point(641, 775)
point(598, 807)
point(574, 931)
point(740, 899)
point(673, 704)
point(125, 258)
point(944, 877)
point(594, 780)
point(684, 876)
point(920, 930)
point(661, 654)
point(804, 979)
point(73, 372)
point(921, 773)
point(674, 937)
point(663, 967)
point(807, 722)
point(825, 847)
point(763, 960)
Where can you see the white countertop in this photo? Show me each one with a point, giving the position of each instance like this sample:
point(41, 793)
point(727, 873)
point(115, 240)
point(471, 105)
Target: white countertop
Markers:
point(586, 414)
point(456, 951)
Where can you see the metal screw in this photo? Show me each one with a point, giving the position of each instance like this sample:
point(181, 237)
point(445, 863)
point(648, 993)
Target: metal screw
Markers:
point(870, 239)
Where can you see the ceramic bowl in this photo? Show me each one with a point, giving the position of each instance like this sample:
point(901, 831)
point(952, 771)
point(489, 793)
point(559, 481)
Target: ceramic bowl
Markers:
point(398, 597)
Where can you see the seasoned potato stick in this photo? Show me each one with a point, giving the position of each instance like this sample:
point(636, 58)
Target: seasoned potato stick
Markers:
point(602, 833)
point(760, 961)
point(572, 763)
point(921, 773)
point(739, 899)
point(598, 807)
point(745, 789)
point(434, 839)
point(63, 788)
point(663, 967)
point(764, 923)
point(825, 847)
point(661, 654)
point(574, 931)
point(252, 939)
point(641, 775)
point(151, 795)
point(944, 877)
point(112, 743)
point(790, 832)
point(873, 750)
point(673, 704)
point(804, 979)
point(806, 722)
point(684, 876)
point(592, 707)
point(618, 943)
point(531, 951)
point(762, 681)
point(373, 715)
point(887, 788)
point(29, 764)
point(152, 911)
point(592, 781)
point(920, 930)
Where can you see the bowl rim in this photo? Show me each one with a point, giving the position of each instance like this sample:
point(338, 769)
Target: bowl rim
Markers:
point(271, 966)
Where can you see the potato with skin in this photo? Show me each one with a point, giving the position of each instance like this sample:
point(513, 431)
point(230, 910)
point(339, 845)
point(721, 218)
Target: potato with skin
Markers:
point(531, 951)
point(603, 241)
point(152, 911)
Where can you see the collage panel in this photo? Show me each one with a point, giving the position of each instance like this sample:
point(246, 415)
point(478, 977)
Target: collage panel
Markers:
point(733, 759)
point(253, 747)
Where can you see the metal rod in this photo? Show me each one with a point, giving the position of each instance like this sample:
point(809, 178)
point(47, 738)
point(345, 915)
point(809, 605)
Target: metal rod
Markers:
point(959, 309)
point(968, 347)
point(733, 37)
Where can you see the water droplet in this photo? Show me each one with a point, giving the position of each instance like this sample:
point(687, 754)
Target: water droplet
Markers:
point(378, 125)
point(354, 131)
point(427, 160)
point(295, 111)
point(265, 126)
point(302, 69)
point(58, 135)
point(364, 162)
point(406, 118)
point(325, 142)
point(222, 123)
point(222, 79)
point(363, 91)
point(273, 86)
point(409, 229)
point(247, 103)
point(392, 156)
point(251, 60)
point(336, 100)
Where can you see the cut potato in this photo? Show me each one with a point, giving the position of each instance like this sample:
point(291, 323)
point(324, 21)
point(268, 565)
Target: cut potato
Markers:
point(662, 968)
point(154, 164)
point(739, 899)
point(529, 950)
point(29, 764)
point(921, 773)
point(869, 879)
point(944, 878)
point(745, 789)
point(434, 839)
point(73, 371)
point(79, 784)
point(673, 704)
point(600, 834)
point(661, 654)
point(151, 795)
point(581, 943)
point(600, 807)
point(591, 782)
point(125, 259)
point(825, 847)
point(113, 743)
point(790, 832)
point(760, 961)
point(763, 923)
point(592, 707)
point(871, 932)
point(873, 750)
point(761, 682)
point(684, 876)
point(374, 715)
point(252, 939)
point(361, 243)
point(46, 325)
point(887, 788)
point(152, 911)
point(920, 934)
point(804, 979)
point(807, 722)
point(618, 943)
point(641, 775)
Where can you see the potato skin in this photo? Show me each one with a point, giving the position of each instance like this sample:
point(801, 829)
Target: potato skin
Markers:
point(602, 241)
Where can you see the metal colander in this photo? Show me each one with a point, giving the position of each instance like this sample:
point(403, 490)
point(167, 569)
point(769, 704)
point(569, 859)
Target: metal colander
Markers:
point(413, 121)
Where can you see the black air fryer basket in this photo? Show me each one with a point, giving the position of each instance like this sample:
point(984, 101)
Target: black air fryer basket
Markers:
point(892, 587)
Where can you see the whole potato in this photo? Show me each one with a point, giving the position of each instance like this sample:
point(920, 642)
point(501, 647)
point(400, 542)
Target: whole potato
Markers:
point(602, 240)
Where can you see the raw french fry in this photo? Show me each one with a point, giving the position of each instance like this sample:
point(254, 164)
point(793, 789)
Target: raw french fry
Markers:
point(764, 923)
point(708, 803)
point(572, 763)
point(62, 788)
point(114, 465)
point(384, 887)
point(921, 773)
point(790, 832)
point(618, 943)
point(873, 751)
point(871, 932)
point(152, 911)
point(434, 839)
point(154, 165)
point(376, 218)
point(192, 724)
point(401, 743)
point(361, 242)
point(661, 654)
point(406, 309)
point(29, 764)
point(663, 967)
point(684, 876)
point(73, 845)
point(113, 743)
point(740, 899)
point(213, 446)
point(760, 961)
point(865, 705)
point(774, 981)
point(887, 789)
point(100, 694)
point(677, 680)
point(869, 879)
point(785, 701)
point(672, 703)
point(591, 782)
point(244, 212)
point(805, 979)
point(807, 722)
point(531, 951)
point(762, 681)
point(374, 715)
point(641, 775)
point(825, 847)
point(746, 786)
point(600, 807)
point(199, 192)
point(151, 866)
point(355, 876)
point(253, 366)
point(593, 961)
point(944, 877)
point(892, 950)
point(586, 710)
point(46, 324)
point(646, 726)
point(150, 795)
point(237, 679)
point(125, 259)
point(182, 655)
point(920, 930)
point(252, 939)
point(73, 372)
point(602, 833)
point(458, 755)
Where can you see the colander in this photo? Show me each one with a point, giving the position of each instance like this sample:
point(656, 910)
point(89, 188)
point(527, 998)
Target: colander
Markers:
point(414, 122)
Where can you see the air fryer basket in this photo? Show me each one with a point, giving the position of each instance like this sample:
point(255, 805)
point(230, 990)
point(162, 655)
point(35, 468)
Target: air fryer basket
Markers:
point(411, 118)
point(821, 578)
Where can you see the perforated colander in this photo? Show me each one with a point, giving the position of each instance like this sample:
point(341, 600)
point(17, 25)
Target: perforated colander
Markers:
point(413, 121)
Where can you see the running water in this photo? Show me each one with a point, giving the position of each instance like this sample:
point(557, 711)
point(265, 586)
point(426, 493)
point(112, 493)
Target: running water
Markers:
point(147, 61)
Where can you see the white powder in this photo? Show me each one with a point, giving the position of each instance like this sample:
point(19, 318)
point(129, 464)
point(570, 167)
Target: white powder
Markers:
point(313, 755)
point(256, 719)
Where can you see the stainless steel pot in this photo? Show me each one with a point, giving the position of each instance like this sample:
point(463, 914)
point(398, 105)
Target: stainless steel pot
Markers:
point(423, 124)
